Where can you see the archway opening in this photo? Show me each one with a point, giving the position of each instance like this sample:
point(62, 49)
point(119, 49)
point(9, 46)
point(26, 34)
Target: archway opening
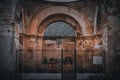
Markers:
point(59, 36)
point(59, 28)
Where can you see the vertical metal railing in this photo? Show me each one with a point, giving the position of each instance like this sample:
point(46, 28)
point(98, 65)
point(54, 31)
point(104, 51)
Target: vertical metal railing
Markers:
point(75, 65)
point(62, 64)
point(82, 61)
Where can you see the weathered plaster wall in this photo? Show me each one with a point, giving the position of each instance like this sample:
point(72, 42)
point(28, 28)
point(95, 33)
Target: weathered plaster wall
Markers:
point(7, 38)
point(110, 31)
point(110, 24)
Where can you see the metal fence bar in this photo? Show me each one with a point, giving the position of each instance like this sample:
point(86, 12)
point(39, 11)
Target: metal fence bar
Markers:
point(29, 62)
point(62, 64)
point(75, 65)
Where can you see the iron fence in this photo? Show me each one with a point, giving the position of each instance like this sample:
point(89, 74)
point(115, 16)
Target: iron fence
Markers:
point(56, 61)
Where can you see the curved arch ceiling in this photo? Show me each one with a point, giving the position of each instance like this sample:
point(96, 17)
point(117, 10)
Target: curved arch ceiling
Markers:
point(61, 0)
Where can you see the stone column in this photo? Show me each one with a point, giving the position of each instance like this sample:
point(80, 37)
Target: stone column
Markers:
point(7, 44)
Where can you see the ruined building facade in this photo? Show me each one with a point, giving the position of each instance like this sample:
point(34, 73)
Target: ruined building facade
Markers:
point(95, 26)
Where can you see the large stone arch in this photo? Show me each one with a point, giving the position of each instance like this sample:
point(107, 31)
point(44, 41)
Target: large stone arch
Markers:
point(55, 18)
point(59, 17)
point(78, 16)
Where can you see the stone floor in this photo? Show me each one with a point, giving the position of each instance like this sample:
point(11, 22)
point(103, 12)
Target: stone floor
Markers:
point(54, 76)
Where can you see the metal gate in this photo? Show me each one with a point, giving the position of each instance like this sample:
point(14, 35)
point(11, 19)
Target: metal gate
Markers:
point(55, 61)
point(65, 64)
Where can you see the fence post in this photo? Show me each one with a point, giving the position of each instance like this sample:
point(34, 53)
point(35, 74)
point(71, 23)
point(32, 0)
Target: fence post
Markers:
point(62, 64)
point(75, 64)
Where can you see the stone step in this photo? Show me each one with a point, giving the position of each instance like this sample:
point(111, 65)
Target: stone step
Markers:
point(5, 3)
point(4, 8)
point(4, 16)
point(2, 5)
point(4, 11)
point(54, 76)
point(4, 21)
point(4, 24)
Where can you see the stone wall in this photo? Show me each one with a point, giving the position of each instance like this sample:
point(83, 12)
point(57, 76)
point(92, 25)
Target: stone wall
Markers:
point(7, 38)
point(110, 31)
